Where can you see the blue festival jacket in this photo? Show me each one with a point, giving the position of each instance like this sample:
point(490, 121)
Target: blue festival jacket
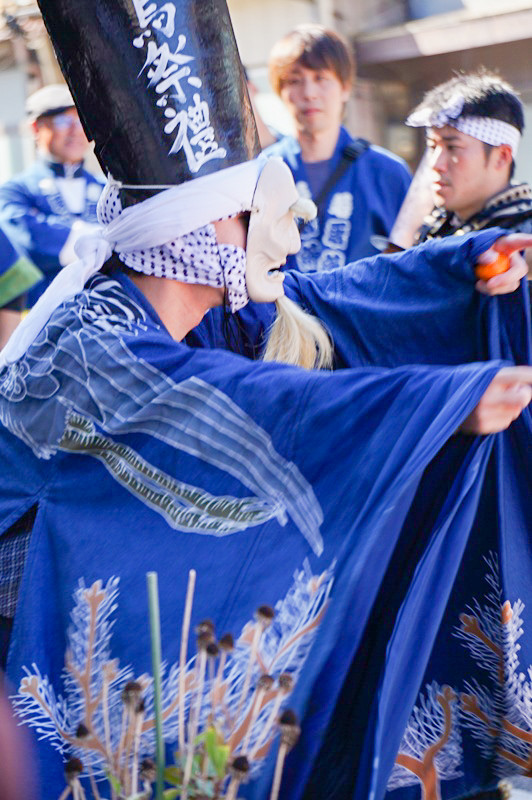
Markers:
point(37, 218)
point(279, 486)
point(364, 202)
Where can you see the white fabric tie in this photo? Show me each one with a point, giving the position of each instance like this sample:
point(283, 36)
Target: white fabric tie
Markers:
point(94, 251)
point(428, 117)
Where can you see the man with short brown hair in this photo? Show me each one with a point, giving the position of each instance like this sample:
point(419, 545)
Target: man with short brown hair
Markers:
point(357, 187)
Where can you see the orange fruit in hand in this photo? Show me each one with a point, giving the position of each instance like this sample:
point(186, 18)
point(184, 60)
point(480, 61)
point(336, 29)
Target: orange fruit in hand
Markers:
point(486, 271)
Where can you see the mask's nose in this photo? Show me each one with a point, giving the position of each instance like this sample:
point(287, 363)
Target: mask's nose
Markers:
point(293, 244)
point(304, 208)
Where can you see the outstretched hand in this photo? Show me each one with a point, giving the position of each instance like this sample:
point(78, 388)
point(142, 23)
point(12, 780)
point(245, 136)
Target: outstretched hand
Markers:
point(509, 280)
point(507, 395)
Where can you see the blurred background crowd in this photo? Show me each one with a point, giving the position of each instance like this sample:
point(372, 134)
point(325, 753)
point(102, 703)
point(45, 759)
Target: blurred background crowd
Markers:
point(402, 49)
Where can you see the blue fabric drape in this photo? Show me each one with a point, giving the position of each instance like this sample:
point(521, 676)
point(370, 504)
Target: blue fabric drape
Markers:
point(132, 443)
point(472, 515)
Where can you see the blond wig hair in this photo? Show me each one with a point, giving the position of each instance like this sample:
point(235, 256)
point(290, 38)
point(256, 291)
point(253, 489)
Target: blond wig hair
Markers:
point(298, 338)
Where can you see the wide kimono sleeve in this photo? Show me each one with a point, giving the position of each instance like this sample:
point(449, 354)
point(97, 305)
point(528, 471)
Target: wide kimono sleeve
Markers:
point(417, 306)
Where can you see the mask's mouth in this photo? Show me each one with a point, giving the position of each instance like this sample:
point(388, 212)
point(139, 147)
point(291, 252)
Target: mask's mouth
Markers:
point(276, 273)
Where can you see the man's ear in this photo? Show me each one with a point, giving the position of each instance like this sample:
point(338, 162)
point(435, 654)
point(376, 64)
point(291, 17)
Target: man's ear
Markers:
point(504, 156)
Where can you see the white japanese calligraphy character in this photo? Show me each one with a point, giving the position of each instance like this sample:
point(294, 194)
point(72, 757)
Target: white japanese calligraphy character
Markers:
point(143, 13)
point(198, 114)
point(164, 19)
point(138, 42)
point(165, 68)
point(209, 149)
point(201, 146)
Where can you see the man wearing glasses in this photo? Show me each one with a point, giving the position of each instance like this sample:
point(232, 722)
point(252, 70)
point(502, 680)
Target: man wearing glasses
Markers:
point(49, 206)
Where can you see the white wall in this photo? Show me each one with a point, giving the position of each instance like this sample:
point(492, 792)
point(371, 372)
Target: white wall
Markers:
point(16, 143)
point(259, 24)
point(524, 157)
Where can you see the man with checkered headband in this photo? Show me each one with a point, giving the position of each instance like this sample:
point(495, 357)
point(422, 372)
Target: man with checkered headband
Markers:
point(473, 125)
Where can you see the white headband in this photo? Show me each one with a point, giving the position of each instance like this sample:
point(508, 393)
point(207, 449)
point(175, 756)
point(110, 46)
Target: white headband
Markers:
point(160, 219)
point(485, 129)
point(489, 130)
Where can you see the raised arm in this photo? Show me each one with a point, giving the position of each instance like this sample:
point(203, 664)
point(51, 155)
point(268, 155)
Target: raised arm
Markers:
point(419, 306)
point(502, 267)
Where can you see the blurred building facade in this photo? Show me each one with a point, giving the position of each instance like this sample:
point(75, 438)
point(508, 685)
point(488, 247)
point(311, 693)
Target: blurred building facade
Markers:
point(403, 47)
point(26, 63)
point(424, 41)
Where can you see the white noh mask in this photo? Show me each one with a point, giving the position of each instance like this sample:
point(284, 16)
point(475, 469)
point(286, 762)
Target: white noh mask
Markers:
point(273, 232)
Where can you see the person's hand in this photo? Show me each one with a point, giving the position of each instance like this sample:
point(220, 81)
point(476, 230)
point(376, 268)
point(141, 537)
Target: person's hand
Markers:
point(509, 280)
point(502, 402)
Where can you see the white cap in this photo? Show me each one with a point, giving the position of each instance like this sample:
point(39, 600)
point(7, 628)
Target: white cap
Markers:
point(49, 100)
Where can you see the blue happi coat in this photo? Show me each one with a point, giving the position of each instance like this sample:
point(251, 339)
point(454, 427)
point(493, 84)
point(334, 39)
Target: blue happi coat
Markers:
point(279, 486)
point(39, 208)
point(363, 203)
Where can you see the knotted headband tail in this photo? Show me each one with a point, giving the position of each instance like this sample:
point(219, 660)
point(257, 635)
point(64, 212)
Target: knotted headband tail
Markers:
point(94, 251)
